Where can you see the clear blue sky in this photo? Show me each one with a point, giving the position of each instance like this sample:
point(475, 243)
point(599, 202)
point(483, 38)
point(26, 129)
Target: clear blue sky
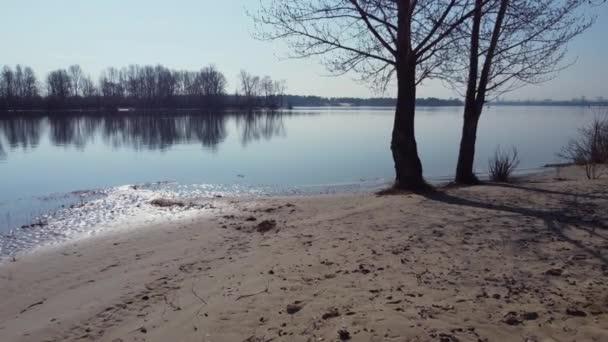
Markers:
point(188, 34)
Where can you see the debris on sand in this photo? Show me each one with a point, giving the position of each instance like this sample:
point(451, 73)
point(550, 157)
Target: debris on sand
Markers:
point(293, 308)
point(38, 224)
point(511, 318)
point(251, 219)
point(343, 335)
point(32, 305)
point(556, 272)
point(529, 316)
point(332, 313)
point(166, 203)
point(447, 338)
point(576, 312)
point(266, 225)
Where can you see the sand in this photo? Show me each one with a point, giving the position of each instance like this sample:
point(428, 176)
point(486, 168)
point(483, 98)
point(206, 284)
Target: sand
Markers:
point(526, 261)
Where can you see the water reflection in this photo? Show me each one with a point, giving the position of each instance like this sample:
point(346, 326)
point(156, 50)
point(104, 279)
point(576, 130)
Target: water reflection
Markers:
point(139, 130)
point(255, 127)
point(2, 152)
point(72, 131)
point(21, 132)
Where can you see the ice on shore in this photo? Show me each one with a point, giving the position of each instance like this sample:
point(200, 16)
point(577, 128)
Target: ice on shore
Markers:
point(112, 209)
point(129, 206)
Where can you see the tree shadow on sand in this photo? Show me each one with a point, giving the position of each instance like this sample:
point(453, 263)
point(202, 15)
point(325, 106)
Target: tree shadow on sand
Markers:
point(553, 192)
point(557, 221)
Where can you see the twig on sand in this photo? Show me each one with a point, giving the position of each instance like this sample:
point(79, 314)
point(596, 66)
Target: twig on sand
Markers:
point(197, 295)
point(32, 305)
point(203, 302)
point(253, 294)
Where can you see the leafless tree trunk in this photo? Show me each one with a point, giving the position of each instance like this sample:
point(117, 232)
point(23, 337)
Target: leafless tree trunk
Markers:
point(88, 87)
point(408, 168)
point(76, 78)
point(518, 42)
point(378, 39)
point(475, 95)
point(250, 86)
point(30, 83)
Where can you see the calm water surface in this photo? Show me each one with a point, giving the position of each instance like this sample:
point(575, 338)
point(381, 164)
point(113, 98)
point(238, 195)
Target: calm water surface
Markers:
point(44, 158)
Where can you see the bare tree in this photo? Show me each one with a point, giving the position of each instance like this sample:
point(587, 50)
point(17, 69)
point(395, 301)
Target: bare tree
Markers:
point(272, 91)
point(590, 149)
point(30, 83)
point(19, 82)
point(267, 89)
point(212, 82)
point(380, 40)
point(17, 87)
point(250, 87)
point(134, 83)
point(280, 87)
point(59, 85)
point(88, 87)
point(7, 84)
point(511, 43)
point(75, 78)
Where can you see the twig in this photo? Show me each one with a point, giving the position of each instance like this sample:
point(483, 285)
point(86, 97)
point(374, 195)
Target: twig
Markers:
point(197, 296)
point(204, 302)
point(32, 305)
point(253, 294)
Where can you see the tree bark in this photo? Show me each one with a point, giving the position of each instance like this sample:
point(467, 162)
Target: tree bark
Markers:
point(466, 155)
point(476, 92)
point(408, 168)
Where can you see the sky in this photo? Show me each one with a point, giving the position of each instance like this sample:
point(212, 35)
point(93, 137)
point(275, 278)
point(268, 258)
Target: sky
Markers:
point(190, 34)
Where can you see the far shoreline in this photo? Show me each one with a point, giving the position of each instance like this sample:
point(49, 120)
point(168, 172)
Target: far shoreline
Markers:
point(204, 109)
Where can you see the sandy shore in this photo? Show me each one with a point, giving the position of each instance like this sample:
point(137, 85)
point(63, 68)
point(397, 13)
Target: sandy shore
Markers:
point(520, 262)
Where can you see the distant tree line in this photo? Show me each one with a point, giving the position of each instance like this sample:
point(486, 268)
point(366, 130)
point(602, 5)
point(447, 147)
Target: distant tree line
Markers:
point(134, 86)
point(154, 87)
point(564, 103)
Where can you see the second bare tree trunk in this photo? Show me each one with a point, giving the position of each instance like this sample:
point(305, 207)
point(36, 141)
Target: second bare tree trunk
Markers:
point(466, 156)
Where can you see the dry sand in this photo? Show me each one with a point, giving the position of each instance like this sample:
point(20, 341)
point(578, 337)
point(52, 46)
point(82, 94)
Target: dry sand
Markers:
point(520, 262)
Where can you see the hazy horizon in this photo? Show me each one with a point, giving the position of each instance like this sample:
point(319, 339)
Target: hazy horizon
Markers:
point(191, 34)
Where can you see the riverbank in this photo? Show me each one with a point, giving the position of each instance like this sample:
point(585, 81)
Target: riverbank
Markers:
point(519, 262)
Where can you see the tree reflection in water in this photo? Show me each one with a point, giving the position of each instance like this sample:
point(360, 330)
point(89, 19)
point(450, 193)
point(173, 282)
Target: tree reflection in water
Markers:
point(21, 131)
point(138, 130)
point(258, 125)
point(2, 152)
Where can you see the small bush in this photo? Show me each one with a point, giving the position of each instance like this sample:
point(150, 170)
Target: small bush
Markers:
point(590, 149)
point(502, 165)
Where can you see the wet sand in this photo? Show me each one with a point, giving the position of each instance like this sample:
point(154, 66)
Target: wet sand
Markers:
point(518, 262)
